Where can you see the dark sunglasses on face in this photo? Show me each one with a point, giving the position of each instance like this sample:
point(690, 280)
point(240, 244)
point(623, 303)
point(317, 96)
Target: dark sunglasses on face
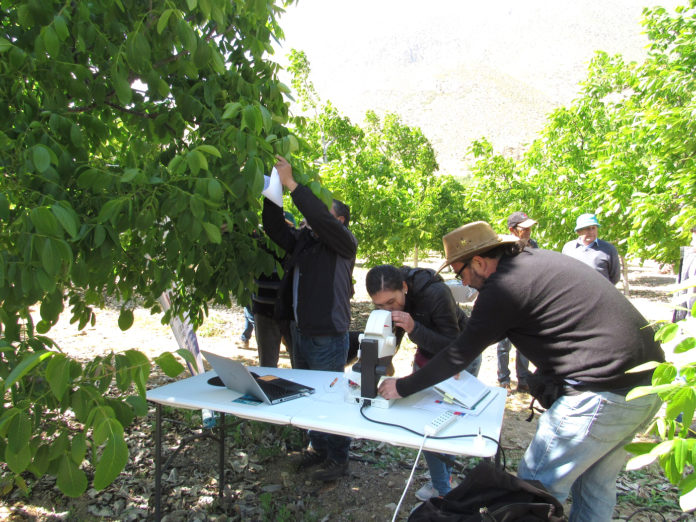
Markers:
point(458, 275)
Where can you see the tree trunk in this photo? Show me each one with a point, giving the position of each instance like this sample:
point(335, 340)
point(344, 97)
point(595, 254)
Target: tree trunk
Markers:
point(415, 256)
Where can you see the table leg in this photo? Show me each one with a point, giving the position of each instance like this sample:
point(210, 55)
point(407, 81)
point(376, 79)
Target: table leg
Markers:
point(221, 454)
point(158, 462)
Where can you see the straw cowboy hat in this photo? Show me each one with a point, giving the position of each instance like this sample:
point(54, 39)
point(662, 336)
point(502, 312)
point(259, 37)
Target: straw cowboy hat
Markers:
point(472, 239)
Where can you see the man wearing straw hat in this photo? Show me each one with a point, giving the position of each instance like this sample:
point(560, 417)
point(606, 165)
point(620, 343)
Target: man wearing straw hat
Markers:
point(580, 332)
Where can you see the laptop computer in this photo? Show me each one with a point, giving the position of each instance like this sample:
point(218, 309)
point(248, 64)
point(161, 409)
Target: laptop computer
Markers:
point(268, 388)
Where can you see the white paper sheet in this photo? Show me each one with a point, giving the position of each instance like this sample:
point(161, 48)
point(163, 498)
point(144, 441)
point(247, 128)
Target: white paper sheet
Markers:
point(272, 188)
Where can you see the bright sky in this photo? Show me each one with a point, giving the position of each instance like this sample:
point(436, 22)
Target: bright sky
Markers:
point(493, 69)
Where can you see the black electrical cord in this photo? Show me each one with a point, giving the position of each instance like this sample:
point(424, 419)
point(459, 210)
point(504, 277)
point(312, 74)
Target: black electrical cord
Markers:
point(468, 435)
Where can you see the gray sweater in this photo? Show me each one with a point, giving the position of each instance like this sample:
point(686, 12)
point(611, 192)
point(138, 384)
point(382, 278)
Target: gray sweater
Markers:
point(564, 316)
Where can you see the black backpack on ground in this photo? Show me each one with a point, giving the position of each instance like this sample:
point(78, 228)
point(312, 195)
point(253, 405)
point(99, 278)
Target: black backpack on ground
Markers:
point(490, 494)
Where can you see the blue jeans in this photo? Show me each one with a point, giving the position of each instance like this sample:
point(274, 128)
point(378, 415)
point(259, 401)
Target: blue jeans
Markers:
point(248, 324)
point(521, 364)
point(578, 449)
point(441, 471)
point(322, 353)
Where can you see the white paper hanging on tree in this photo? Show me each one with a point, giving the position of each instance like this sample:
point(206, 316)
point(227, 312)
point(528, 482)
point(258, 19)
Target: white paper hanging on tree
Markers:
point(272, 188)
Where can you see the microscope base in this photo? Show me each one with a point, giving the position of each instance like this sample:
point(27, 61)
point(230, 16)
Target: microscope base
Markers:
point(378, 402)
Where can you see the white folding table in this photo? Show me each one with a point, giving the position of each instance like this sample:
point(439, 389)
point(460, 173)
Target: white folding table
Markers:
point(327, 410)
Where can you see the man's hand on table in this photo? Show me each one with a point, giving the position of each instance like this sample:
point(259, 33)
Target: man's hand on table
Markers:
point(388, 389)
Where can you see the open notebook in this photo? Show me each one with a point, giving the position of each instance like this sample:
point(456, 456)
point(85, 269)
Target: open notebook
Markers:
point(464, 390)
point(268, 388)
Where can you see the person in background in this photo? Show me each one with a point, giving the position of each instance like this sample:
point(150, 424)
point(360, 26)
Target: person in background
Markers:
point(315, 292)
point(422, 306)
point(597, 253)
point(583, 336)
point(248, 326)
point(270, 332)
point(686, 275)
point(520, 225)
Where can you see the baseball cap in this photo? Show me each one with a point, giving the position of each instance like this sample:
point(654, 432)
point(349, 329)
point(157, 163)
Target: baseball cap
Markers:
point(586, 220)
point(520, 219)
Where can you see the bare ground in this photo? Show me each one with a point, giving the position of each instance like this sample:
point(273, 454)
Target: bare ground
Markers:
point(261, 482)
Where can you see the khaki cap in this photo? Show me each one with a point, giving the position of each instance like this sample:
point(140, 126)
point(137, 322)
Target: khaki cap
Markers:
point(472, 239)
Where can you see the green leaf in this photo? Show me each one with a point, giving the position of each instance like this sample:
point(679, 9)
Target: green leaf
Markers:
point(196, 161)
point(187, 356)
point(197, 207)
point(51, 41)
point(61, 28)
point(140, 369)
point(49, 257)
point(202, 55)
point(45, 222)
point(249, 118)
point(163, 19)
point(70, 479)
point(213, 232)
point(667, 332)
point(18, 461)
point(78, 448)
point(76, 136)
point(294, 145)
point(215, 189)
point(80, 404)
point(685, 345)
point(4, 207)
point(170, 366)
point(40, 462)
point(266, 119)
point(110, 209)
point(5, 45)
point(191, 4)
point(18, 432)
point(67, 218)
point(114, 455)
point(231, 110)
point(640, 461)
point(28, 362)
point(125, 319)
point(58, 376)
point(204, 6)
point(138, 404)
point(41, 157)
point(209, 149)
point(122, 87)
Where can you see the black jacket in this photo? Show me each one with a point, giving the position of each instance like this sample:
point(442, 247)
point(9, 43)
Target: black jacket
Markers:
point(438, 320)
point(562, 315)
point(324, 256)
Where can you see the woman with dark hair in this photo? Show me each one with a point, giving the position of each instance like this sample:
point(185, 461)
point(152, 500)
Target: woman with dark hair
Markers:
point(422, 306)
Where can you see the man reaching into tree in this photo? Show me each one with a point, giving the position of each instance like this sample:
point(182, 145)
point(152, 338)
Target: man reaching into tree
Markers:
point(315, 293)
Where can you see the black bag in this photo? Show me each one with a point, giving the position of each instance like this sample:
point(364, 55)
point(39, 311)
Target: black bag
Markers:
point(545, 388)
point(489, 494)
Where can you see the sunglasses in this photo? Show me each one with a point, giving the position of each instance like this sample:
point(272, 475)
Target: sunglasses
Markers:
point(458, 274)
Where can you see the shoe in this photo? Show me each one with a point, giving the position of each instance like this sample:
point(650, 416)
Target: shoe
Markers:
point(505, 385)
point(244, 342)
point(309, 459)
point(427, 492)
point(522, 387)
point(331, 470)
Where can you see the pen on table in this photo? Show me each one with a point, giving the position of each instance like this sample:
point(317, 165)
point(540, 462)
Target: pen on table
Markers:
point(333, 382)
